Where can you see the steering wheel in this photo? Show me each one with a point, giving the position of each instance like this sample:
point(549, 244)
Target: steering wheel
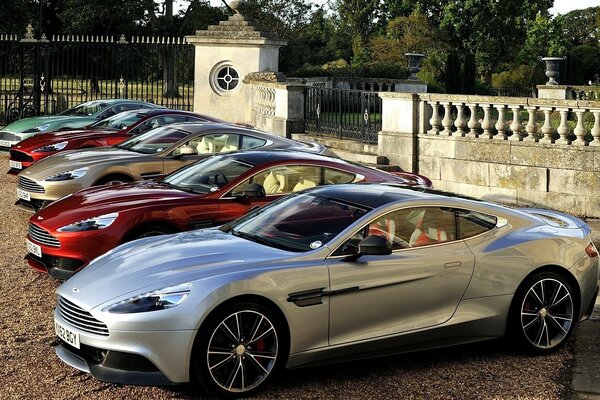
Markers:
point(222, 176)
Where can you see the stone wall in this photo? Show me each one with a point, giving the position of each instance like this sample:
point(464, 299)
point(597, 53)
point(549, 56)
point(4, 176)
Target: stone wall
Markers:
point(522, 168)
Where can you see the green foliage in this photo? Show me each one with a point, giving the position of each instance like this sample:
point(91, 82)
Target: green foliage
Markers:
point(522, 76)
point(582, 27)
point(544, 37)
point(582, 65)
point(358, 18)
point(377, 70)
point(16, 14)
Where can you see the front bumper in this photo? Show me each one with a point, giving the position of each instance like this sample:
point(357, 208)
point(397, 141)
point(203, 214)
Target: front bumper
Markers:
point(131, 357)
point(72, 255)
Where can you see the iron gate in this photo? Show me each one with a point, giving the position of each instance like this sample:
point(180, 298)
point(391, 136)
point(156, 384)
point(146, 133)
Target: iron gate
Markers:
point(345, 114)
point(48, 76)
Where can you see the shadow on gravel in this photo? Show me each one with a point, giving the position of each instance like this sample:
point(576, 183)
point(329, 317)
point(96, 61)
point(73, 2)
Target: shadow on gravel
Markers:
point(438, 373)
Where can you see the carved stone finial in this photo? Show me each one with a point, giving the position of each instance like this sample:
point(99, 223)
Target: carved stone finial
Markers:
point(235, 5)
point(29, 32)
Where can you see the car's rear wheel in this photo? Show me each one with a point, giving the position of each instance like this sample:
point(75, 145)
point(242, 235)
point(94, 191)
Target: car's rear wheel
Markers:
point(544, 312)
point(238, 350)
point(113, 180)
point(151, 231)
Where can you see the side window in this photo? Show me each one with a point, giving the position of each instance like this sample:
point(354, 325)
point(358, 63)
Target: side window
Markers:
point(335, 176)
point(409, 227)
point(145, 126)
point(251, 142)
point(210, 144)
point(472, 223)
point(284, 179)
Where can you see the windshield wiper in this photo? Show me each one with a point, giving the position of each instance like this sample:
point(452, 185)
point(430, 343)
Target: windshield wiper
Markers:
point(254, 238)
point(182, 188)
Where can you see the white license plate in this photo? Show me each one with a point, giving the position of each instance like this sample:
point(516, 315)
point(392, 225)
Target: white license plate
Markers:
point(66, 334)
point(33, 248)
point(23, 195)
point(15, 164)
point(4, 143)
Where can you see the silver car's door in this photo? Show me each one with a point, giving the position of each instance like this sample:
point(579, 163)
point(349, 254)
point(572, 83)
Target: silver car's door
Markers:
point(417, 286)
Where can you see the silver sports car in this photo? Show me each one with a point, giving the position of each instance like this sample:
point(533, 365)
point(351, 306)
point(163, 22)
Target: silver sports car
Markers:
point(332, 273)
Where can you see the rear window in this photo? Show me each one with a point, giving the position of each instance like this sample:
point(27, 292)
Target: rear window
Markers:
point(473, 223)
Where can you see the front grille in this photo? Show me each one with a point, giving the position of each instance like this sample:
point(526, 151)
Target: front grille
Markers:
point(43, 236)
point(20, 156)
point(30, 185)
point(9, 136)
point(79, 318)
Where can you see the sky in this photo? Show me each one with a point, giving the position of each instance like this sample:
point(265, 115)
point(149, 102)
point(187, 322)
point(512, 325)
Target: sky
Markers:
point(560, 6)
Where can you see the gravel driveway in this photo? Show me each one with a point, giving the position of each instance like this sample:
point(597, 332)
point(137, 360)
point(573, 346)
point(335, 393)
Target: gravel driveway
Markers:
point(29, 368)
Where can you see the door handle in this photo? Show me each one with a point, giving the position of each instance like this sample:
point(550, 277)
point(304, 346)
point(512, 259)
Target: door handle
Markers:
point(453, 264)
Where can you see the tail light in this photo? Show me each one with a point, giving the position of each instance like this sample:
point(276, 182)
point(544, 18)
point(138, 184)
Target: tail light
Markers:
point(591, 251)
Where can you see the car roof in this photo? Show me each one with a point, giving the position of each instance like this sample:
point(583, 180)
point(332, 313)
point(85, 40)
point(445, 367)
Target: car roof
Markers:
point(159, 111)
point(373, 195)
point(257, 157)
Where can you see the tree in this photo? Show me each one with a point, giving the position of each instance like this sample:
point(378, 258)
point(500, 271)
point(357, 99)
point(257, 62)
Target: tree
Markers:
point(359, 16)
point(582, 27)
point(16, 14)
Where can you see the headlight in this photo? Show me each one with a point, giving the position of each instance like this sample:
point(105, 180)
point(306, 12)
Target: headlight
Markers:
point(161, 299)
point(51, 147)
point(90, 224)
point(67, 175)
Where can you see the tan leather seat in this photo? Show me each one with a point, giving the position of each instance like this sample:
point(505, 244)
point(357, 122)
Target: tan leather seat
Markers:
point(206, 145)
point(230, 145)
point(274, 183)
point(304, 183)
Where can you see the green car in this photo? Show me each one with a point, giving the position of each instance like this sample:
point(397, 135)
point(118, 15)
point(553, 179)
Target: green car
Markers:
point(77, 117)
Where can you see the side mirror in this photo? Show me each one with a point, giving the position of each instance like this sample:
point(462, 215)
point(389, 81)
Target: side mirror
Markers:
point(254, 190)
point(375, 245)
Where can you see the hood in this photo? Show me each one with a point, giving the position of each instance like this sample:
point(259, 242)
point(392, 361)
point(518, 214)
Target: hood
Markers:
point(53, 122)
point(100, 200)
point(73, 159)
point(162, 261)
point(45, 139)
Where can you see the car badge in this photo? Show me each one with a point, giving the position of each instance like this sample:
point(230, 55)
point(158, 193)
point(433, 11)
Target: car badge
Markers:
point(28, 172)
point(40, 217)
point(75, 290)
point(18, 147)
point(316, 244)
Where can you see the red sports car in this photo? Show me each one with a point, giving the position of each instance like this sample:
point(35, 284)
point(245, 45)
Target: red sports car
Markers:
point(65, 236)
point(108, 132)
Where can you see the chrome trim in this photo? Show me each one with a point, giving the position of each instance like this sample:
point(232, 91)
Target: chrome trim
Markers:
point(42, 236)
point(79, 318)
point(30, 185)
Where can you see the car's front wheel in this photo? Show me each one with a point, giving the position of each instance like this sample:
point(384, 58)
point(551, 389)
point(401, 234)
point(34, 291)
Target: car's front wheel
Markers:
point(544, 312)
point(238, 350)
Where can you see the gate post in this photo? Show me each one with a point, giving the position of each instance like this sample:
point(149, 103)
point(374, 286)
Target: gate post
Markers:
point(225, 55)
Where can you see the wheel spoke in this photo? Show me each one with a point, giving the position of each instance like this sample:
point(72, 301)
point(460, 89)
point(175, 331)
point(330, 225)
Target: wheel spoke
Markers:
point(256, 328)
point(233, 375)
point(558, 324)
point(263, 334)
point(560, 301)
point(228, 331)
point(537, 317)
point(220, 363)
point(540, 334)
point(537, 297)
point(252, 357)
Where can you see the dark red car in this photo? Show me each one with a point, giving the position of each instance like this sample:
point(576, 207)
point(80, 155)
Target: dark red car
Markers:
point(108, 132)
point(65, 236)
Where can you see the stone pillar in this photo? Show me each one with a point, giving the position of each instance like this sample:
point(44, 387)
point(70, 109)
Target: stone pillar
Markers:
point(398, 138)
point(225, 55)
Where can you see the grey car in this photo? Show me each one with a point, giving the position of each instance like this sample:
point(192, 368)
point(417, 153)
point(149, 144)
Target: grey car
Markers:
point(150, 155)
point(333, 273)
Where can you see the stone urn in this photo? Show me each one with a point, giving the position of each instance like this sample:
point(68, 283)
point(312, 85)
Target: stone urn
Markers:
point(552, 68)
point(235, 5)
point(414, 64)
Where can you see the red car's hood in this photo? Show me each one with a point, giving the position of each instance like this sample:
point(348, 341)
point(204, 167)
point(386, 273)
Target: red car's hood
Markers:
point(100, 200)
point(45, 139)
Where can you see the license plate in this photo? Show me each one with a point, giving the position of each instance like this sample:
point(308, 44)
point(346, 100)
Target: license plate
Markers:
point(4, 143)
point(34, 248)
point(66, 334)
point(23, 195)
point(15, 164)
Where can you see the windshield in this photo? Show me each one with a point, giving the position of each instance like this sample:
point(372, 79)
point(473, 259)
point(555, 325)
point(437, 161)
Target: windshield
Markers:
point(298, 222)
point(87, 108)
point(119, 121)
point(154, 141)
point(208, 175)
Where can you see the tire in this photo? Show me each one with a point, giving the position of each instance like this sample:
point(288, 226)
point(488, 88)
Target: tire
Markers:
point(113, 180)
point(231, 362)
point(543, 313)
point(150, 231)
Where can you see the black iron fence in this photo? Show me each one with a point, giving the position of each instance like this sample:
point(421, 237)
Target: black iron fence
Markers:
point(344, 114)
point(41, 76)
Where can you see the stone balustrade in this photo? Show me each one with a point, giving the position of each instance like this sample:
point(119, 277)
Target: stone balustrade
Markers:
point(263, 100)
point(516, 119)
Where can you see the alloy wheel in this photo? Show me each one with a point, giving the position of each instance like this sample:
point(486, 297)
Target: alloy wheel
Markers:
point(547, 313)
point(242, 351)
